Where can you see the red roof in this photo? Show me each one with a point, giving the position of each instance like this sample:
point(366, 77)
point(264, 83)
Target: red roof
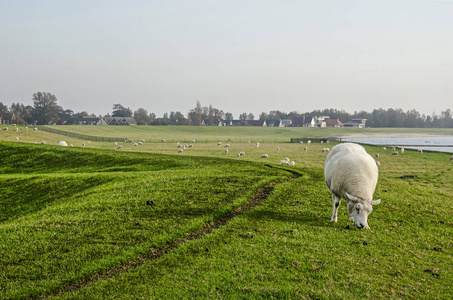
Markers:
point(333, 122)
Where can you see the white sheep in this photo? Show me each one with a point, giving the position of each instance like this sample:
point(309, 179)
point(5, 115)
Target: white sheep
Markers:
point(226, 151)
point(6, 128)
point(292, 163)
point(140, 143)
point(325, 150)
point(451, 158)
point(301, 142)
point(383, 148)
point(378, 164)
point(395, 153)
point(116, 143)
point(180, 150)
point(43, 142)
point(190, 146)
point(71, 145)
point(402, 150)
point(219, 143)
point(119, 147)
point(16, 129)
point(322, 141)
point(63, 143)
point(163, 141)
point(305, 149)
point(376, 155)
point(193, 141)
point(242, 153)
point(83, 144)
point(420, 151)
point(285, 161)
point(257, 145)
point(35, 129)
point(352, 174)
point(278, 148)
point(17, 139)
point(14, 125)
point(309, 142)
point(264, 156)
point(227, 145)
point(26, 127)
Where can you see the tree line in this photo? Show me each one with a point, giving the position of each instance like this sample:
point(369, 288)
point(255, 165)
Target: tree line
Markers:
point(45, 110)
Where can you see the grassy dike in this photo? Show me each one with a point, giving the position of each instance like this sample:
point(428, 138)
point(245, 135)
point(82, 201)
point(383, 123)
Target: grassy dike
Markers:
point(75, 225)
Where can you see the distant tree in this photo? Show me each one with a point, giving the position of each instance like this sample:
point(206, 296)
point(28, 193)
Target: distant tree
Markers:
point(195, 115)
point(66, 117)
point(152, 116)
point(46, 108)
point(250, 116)
point(121, 111)
point(23, 113)
point(263, 116)
point(243, 116)
point(228, 116)
point(142, 117)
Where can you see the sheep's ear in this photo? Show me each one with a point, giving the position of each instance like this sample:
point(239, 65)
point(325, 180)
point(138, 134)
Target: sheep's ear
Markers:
point(351, 197)
point(374, 202)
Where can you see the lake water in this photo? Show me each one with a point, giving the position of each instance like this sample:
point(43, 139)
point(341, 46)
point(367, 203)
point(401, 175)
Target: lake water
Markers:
point(430, 143)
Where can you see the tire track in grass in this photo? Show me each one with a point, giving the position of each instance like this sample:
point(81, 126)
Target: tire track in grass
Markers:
point(262, 194)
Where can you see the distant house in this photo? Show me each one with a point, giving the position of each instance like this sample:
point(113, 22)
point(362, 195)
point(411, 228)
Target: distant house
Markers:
point(92, 121)
point(356, 123)
point(106, 121)
point(334, 123)
point(286, 122)
point(298, 122)
point(274, 123)
point(121, 121)
point(309, 122)
point(260, 123)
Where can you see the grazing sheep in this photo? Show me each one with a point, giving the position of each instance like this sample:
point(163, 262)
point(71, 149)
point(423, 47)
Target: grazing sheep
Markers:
point(140, 143)
point(14, 125)
point(248, 142)
point(327, 142)
point(71, 145)
point(352, 174)
point(163, 141)
point(402, 150)
point(393, 149)
point(226, 151)
point(257, 145)
point(242, 153)
point(284, 161)
point(301, 142)
point(180, 150)
point(88, 142)
point(395, 153)
point(383, 148)
point(305, 148)
point(17, 139)
point(116, 144)
point(376, 155)
point(43, 142)
point(278, 148)
point(420, 151)
point(142, 140)
point(238, 155)
point(219, 143)
point(227, 145)
point(309, 142)
point(322, 141)
point(26, 127)
point(193, 141)
point(292, 163)
point(451, 158)
point(264, 156)
point(63, 143)
point(6, 128)
point(190, 146)
point(378, 163)
point(16, 129)
point(119, 147)
point(83, 145)
point(325, 150)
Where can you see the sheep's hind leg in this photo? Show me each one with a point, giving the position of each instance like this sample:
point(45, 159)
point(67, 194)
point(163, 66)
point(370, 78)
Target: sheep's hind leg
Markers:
point(335, 203)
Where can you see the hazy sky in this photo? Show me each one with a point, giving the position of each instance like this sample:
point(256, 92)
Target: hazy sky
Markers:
point(239, 56)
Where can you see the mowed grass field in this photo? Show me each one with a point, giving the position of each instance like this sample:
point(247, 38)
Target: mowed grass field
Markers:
point(144, 222)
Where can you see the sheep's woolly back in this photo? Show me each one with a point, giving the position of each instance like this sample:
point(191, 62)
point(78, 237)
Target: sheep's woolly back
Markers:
point(350, 169)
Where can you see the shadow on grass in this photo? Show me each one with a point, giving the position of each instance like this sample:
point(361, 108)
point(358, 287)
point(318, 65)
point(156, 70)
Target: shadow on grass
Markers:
point(23, 196)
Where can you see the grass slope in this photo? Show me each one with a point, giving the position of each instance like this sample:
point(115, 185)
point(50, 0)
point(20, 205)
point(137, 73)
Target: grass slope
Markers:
point(73, 213)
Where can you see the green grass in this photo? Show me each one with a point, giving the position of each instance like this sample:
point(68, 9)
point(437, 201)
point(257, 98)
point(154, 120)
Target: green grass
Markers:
point(71, 213)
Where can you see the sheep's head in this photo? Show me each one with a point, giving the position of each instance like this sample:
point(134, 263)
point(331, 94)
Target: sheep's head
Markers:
point(359, 210)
